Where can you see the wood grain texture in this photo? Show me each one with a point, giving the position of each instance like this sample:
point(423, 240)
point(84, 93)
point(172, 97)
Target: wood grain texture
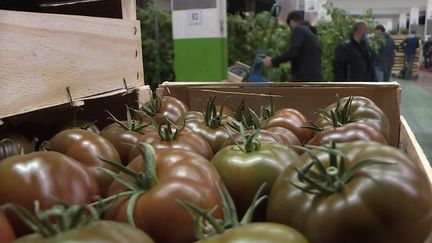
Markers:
point(408, 143)
point(42, 54)
point(129, 9)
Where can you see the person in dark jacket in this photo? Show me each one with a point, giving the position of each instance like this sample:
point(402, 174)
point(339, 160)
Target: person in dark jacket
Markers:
point(427, 49)
point(354, 58)
point(410, 46)
point(304, 52)
point(385, 59)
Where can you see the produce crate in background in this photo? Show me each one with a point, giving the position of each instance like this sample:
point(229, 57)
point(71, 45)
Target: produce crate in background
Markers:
point(307, 98)
point(400, 57)
point(49, 60)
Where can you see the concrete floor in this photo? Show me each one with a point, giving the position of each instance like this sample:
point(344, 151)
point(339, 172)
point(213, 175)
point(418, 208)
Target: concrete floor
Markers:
point(416, 107)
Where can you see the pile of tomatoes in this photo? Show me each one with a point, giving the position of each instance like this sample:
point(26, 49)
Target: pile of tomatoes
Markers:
point(166, 174)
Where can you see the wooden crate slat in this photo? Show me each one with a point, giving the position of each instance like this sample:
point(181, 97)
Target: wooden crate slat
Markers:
point(42, 54)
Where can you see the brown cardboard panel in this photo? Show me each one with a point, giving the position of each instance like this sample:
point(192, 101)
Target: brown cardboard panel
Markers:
point(306, 97)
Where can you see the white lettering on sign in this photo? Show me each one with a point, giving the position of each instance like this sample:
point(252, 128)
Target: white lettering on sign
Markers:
point(194, 17)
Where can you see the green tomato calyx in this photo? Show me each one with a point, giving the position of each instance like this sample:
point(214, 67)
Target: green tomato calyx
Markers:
point(331, 179)
point(153, 107)
point(59, 218)
point(213, 118)
point(140, 182)
point(130, 124)
point(206, 225)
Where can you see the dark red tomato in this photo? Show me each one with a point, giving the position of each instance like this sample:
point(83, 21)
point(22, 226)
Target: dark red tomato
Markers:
point(356, 199)
point(292, 120)
point(7, 147)
point(181, 175)
point(87, 148)
point(214, 133)
point(258, 233)
point(263, 136)
point(7, 234)
point(167, 106)
point(186, 140)
point(81, 124)
point(42, 176)
point(97, 232)
point(287, 137)
point(123, 139)
point(348, 133)
point(357, 109)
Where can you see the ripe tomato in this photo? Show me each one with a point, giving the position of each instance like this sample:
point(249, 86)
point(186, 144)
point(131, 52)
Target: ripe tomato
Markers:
point(87, 148)
point(348, 133)
point(247, 167)
point(258, 232)
point(292, 120)
point(41, 176)
point(7, 147)
point(355, 109)
point(186, 140)
point(98, 231)
point(123, 138)
point(374, 194)
point(177, 175)
point(165, 106)
point(7, 234)
point(263, 135)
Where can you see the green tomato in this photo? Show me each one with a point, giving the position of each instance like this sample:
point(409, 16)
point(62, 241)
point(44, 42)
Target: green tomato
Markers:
point(244, 172)
point(258, 233)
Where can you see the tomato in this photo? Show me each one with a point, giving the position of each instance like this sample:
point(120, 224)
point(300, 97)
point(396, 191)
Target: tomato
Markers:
point(374, 194)
point(225, 111)
point(125, 134)
point(258, 232)
point(244, 169)
point(210, 125)
point(263, 135)
point(292, 120)
point(355, 109)
point(42, 176)
point(87, 148)
point(348, 133)
point(165, 106)
point(7, 234)
point(287, 137)
point(167, 138)
point(12, 143)
point(170, 176)
point(98, 231)
point(81, 124)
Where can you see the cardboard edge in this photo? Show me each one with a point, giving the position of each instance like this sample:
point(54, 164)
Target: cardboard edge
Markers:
point(283, 84)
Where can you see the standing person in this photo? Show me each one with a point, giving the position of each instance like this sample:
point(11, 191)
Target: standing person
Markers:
point(354, 58)
point(427, 48)
point(410, 45)
point(385, 59)
point(304, 52)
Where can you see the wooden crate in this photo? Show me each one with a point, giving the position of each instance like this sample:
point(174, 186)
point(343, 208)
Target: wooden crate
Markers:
point(307, 97)
point(51, 59)
point(400, 58)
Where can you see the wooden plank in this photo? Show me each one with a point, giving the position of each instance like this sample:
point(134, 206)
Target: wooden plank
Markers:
point(42, 54)
point(408, 143)
point(129, 9)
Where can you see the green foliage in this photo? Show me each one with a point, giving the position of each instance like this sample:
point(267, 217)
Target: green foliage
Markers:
point(403, 31)
point(157, 44)
point(249, 35)
point(334, 32)
point(393, 32)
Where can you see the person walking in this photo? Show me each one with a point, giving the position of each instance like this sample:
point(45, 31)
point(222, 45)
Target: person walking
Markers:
point(304, 51)
point(410, 46)
point(354, 58)
point(386, 53)
point(427, 49)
